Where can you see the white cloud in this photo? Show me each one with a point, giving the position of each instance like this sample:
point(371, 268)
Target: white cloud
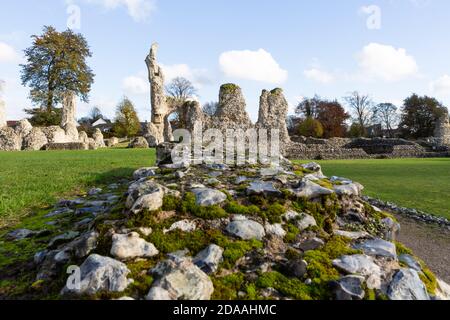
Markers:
point(318, 75)
point(386, 62)
point(252, 65)
point(139, 10)
point(136, 85)
point(441, 86)
point(198, 77)
point(8, 53)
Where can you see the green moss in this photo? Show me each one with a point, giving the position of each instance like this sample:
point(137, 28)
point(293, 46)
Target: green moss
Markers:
point(234, 250)
point(229, 88)
point(324, 183)
point(324, 212)
point(171, 203)
point(273, 213)
point(290, 287)
point(429, 280)
point(370, 295)
point(178, 240)
point(339, 246)
point(276, 91)
point(234, 207)
point(142, 280)
point(228, 287)
point(402, 249)
point(292, 232)
point(189, 205)
point(320, 267)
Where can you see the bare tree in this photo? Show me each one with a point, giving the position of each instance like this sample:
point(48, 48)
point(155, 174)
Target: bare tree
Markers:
point(210, 108)
point(361, 105)
point(180, 89)
point(95, 114)
point(386, 114)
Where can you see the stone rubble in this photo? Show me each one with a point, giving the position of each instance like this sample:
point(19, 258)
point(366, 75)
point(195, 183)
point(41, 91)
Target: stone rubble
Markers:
point(116, 244)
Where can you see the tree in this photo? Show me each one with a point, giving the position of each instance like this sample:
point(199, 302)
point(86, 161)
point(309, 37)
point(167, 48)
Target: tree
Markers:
point(126, 123)
point(308, 107)
point(95, 114)
point(41, 117)
point(386, 115)
point(332, 116)
point(356, 130)
point(210, 108)
point(361, 106)
point(419, 116)
point(56, 63)
point(310, 127)
point(180, 89)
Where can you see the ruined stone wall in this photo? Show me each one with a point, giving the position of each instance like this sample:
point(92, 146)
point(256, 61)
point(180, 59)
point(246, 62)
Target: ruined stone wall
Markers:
point(68, 121)
point(342, 148)
point(3, 122)
point(442, 131)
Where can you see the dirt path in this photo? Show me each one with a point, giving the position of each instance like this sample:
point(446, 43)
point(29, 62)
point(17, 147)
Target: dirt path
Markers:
point(429, 242)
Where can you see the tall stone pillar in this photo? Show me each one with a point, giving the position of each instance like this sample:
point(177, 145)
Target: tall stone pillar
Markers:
point(68, 122)
point(442, 130)
point(273, 110)
point(160, 108)
point(3, 122)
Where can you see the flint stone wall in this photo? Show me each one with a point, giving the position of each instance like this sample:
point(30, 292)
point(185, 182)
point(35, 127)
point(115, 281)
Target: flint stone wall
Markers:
point(361, 148)
point(67, 146)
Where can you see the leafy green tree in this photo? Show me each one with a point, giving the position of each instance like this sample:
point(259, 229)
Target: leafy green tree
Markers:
point(357, 131)
point(386, 115)
point(127, 122)
point(311, 128)
point(56, 63)
point(41, 117)
point(419, 116)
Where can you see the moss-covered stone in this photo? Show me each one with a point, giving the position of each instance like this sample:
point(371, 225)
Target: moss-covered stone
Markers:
point(290, 287)
point(229, 88)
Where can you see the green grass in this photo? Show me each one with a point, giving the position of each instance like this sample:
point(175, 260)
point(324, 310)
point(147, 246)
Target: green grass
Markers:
point(33, 180)
point(413, 183)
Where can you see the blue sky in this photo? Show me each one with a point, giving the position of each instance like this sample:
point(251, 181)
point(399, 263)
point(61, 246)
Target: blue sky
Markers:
point(388, 49)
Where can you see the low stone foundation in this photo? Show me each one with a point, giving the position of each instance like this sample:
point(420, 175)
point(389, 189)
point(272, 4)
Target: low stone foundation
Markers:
point(67, 146)
point(343, 148)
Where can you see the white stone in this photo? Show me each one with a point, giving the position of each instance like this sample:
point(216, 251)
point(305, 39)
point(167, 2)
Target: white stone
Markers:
point(246, 229)
point(208, 197)
point(310, 190)
point(130, 246)
point(406, 285)
point(209, 259)
point(183, 225)
point(352, 189)
point(99, 274)
point(362, 265)
point(378, 247)
point(354, 235)
point(275, 229)
point(305, 221)
point(179, 279)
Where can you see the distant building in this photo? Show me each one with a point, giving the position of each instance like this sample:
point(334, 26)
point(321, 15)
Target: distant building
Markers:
point(102, 124)
point(12, 123)
point(375, 130)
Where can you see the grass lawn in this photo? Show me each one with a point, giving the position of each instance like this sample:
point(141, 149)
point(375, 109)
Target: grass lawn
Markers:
point(414, 183)
point(33, 180)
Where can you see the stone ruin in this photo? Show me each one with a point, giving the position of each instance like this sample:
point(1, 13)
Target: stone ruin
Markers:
point(273, 109)
point(23, 136)
point(230, 114)
point(442, 131)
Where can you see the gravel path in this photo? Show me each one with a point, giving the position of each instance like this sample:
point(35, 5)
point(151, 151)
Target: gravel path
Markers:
point(429, 242)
